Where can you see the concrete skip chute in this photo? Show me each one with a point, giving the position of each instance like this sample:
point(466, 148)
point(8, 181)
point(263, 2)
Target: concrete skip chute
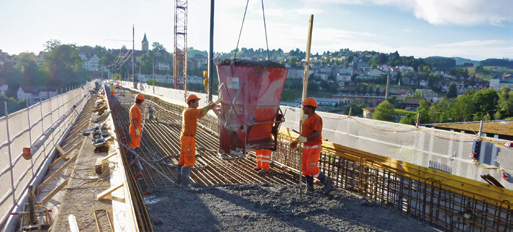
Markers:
point(249, 115)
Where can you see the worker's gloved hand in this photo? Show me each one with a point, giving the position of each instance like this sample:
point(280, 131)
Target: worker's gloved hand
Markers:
point(301, 139)
point(137, 133)
point(293, 145)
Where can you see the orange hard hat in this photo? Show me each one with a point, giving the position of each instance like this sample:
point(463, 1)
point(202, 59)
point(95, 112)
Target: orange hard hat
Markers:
point(139, 96)
point(310, 102)
point(192, 97)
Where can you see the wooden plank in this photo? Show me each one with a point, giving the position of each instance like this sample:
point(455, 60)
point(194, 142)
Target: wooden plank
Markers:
point(73, 225)
point(109, 156)
point(70, 143)
point(64, 154)
point(59, 148)
point(55, 191)
point(106, 193)
point(57, 172)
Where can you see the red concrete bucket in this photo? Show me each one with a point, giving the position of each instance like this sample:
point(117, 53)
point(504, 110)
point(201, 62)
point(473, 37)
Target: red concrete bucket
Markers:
point(249, 114)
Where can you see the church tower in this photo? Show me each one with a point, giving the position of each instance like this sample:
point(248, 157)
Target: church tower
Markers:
point(144, 43)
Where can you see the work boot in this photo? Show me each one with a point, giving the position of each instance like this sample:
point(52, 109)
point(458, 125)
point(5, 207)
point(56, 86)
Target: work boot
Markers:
point(328, 183)
point(179, 175)
point(186, 172)
point(262, 172)
point(309, 184)
point(257, 169)
point(130, 155)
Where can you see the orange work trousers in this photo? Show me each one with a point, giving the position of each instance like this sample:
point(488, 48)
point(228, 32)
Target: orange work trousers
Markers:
point(310, 160)
point(263, 157)
point(112, 93)
point(135, 141)
point(187, 151)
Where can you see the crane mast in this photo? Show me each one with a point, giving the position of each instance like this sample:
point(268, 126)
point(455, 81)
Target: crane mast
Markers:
point(180, 51)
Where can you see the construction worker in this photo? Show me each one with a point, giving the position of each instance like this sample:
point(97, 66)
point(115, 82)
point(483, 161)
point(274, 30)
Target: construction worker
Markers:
point(187, 141)
point(263, 157)
point(311, 136)
point(111, 89)
point(135, 128)
point(151, 111)
point(117, 85)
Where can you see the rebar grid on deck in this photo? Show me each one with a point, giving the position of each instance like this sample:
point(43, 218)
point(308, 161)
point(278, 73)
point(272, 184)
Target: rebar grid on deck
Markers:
point(425, 199)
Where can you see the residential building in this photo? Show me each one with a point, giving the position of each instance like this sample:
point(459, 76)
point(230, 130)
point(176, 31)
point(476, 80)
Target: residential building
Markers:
point(497, 83)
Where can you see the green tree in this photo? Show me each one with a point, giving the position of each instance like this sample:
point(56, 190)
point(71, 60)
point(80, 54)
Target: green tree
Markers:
point(63, 65)
point(485, 100)
point(384, 112)
point(29, 71)
point(158, 47)
point(408, 119)
point(292, 61)
point(355, 108)
point(505, 103)
point(147, 63)
point(423, 110)
point(453, 92)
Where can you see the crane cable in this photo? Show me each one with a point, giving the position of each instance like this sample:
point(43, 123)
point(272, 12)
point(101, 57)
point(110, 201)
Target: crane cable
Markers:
point(242, 25)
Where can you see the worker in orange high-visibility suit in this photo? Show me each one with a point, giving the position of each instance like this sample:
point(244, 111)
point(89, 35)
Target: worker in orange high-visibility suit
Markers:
point(135, 128)
point(187, 138)
point(263, 157)
point(311, 136)
point(111, 89)
point(117, 85)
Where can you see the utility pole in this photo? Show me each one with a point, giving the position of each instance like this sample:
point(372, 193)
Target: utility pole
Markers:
point(386, 90)
point(303, 97)
point(153, 75)
point(133, 48)
point(211, 51)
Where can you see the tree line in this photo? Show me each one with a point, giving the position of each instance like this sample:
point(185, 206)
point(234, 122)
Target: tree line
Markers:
point(486, 104)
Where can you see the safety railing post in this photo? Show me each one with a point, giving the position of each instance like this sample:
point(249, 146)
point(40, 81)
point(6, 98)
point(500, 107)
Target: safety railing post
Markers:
point(10, 155)
point(30, 137)
point(51, 120)
point(42, 123)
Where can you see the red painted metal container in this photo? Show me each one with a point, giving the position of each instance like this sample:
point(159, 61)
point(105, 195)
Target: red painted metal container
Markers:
point(249, 114)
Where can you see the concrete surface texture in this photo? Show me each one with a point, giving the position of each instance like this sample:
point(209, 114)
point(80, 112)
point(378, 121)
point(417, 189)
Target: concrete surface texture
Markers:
point(262, 207)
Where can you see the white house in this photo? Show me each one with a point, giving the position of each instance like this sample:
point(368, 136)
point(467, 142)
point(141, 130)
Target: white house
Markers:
point(3, 89)
point(403, 68)
point(346, 70)
point(343, 77)
point(321, 75)
point(375, 72)
point(25, 94)
point(90, 64)
point(297, 73)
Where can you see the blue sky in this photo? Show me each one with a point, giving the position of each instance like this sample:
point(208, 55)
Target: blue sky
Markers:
point(474, 29)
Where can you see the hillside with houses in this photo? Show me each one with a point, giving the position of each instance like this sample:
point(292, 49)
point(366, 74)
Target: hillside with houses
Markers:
point(343, 81)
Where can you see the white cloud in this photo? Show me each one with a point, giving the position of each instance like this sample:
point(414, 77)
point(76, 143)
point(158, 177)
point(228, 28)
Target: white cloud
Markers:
point(438, 12)
point(473, 43)
point(477, 50)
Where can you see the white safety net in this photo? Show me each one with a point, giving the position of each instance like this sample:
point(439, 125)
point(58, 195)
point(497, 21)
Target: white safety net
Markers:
point(443, 150)
point(24, 129)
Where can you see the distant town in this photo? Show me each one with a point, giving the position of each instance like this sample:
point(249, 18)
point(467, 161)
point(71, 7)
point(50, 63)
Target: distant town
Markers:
point(343, 81)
